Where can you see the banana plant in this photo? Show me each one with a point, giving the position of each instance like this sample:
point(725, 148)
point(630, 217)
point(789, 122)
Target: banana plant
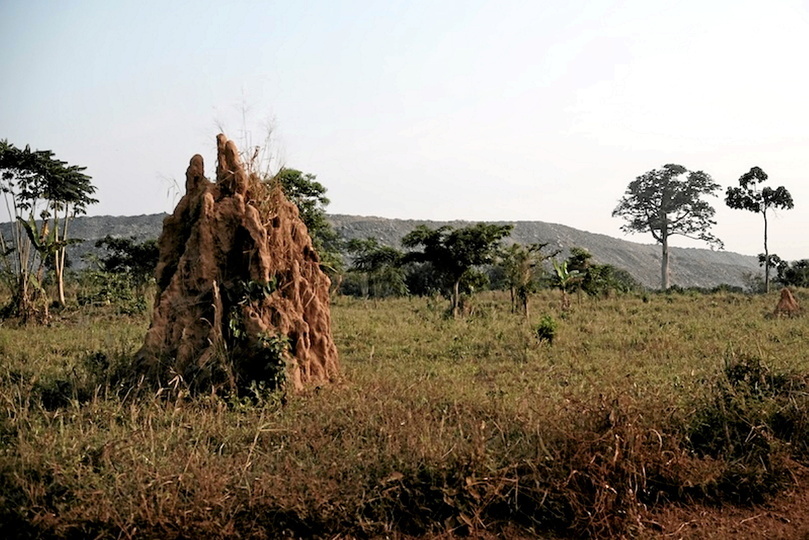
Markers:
point(566, 281)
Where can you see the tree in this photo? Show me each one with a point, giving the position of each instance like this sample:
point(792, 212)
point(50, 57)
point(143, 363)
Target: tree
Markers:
point(381, 266)
point(566, 281)
point(794, 274)
point(309, 196)
point(752, 197)
point(768, 261)
point(42, 195)
point(580, 262)
point(454, 253)
point(667, 202)
point(119, 274)
point(598, 278)
point(137, 260)
point(522, 265)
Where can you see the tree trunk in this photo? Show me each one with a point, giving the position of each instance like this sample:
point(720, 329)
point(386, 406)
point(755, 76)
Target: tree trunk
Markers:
point(565, 301)
point(513, 292)
point(61, 255)
point(766, 257)
point(59, 270)
point(456, 297)
point(522, 300)
point(664, 266)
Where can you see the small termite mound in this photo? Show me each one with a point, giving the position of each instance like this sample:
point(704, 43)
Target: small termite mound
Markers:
point(787, 305)
point(241, 297)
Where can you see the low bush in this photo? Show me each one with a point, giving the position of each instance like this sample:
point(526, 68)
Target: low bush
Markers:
point(546, 329)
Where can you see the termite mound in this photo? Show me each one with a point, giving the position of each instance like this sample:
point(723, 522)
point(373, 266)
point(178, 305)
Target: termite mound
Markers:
point(241, 297)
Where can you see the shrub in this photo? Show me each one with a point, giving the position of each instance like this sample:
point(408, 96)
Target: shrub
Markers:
point(748, 421)
point(546, 329)
point(97, 288)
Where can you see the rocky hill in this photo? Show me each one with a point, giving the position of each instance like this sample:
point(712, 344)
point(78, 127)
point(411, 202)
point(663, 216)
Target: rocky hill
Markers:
point(689, 267)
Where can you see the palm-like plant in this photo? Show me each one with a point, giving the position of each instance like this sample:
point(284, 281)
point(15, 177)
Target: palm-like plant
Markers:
point(566, 280)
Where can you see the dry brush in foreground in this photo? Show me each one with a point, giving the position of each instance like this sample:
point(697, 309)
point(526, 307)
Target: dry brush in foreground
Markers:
point(465, 426)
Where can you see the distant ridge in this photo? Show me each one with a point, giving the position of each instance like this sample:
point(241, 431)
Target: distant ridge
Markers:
point(690, 267)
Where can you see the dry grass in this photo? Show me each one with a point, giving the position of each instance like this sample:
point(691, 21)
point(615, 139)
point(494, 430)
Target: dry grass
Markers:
point(439, 425)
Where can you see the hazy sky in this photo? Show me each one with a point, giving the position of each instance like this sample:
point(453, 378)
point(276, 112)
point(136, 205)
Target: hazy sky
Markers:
point(476, 110)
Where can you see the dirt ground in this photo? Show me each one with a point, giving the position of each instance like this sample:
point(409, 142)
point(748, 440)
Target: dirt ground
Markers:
point(785, 516)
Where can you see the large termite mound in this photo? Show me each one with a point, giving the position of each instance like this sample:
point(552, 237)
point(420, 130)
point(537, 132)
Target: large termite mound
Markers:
point(241, 296)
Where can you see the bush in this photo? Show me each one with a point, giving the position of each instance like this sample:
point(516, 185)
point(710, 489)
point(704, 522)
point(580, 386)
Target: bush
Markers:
point(546, 329)
point(750, 419)
point(97, 288)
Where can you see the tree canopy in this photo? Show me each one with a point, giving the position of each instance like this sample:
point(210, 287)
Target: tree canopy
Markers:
point(666, 202)
point(309, 196)
point(455, 252)
point(381, 265)
point(137, 260)
point(794, 274)
point(598, 278)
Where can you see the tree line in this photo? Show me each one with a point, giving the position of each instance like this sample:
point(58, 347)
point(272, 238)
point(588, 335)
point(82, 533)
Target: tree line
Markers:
point(43, 194)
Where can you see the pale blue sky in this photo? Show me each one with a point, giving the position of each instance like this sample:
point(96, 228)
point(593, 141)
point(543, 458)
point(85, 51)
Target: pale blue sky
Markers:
point(476, 110)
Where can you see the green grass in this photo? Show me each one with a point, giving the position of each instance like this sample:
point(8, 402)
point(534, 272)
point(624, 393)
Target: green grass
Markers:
point(437, 424)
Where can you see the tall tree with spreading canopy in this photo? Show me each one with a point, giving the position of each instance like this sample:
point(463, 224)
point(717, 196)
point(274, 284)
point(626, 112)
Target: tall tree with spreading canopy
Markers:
point(752, 197)
point(42, 195)
point(454, 253)
point(667, 202)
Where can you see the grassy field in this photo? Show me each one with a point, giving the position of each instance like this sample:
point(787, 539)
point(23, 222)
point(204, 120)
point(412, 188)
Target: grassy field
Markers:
point(437, 425)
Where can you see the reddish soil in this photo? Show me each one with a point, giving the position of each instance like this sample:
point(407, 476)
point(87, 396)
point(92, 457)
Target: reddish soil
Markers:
point(786, 516)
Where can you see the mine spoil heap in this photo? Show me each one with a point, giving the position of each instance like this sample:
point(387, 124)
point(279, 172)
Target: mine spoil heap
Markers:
point(241, 296)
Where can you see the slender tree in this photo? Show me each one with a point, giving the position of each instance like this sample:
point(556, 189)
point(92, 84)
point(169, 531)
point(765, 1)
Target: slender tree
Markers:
point(752, 197)
point(68, 192)
point(454, 253)
point(667, 202)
